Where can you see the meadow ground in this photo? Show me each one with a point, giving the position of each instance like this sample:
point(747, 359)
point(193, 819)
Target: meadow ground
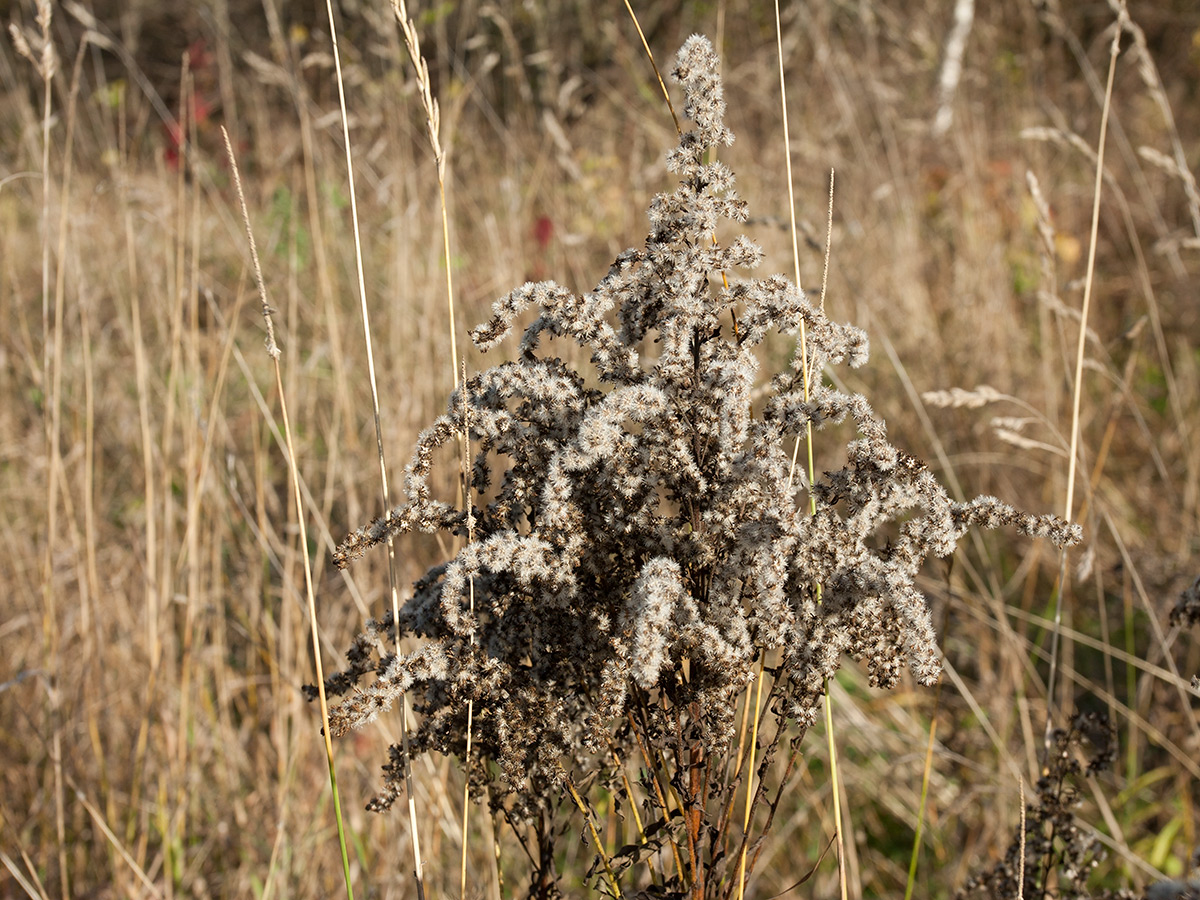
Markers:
point(155, 642)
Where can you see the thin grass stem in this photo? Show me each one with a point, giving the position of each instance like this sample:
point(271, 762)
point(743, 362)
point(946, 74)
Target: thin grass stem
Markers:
point(294, 473)
point(591, 823)
point(650, 55)
point(466, 490)
point(385, 487)
point(916, 852)
point(1081, 346)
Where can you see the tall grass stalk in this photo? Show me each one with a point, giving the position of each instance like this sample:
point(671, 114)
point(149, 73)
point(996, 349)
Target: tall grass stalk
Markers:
point(657, 74)
point(465, 488)
point(1080, 347)
point(88, 585)
point(911, 882)
point(805, 364)
point(301, 517)
point(433, 123)
point(45, 61)
point(393, 586)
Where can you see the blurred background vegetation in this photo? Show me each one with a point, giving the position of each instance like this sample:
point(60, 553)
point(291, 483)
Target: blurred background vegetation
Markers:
point(156, 742)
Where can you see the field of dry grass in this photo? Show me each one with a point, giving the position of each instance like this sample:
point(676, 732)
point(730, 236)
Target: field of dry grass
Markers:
point(156, 741)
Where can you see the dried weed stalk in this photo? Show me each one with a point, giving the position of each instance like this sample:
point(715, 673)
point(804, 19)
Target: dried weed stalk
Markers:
point(1053, 851)
point(636, 548)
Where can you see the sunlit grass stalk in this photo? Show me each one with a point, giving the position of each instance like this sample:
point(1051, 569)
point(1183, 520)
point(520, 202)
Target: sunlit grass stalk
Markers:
point(916, 852)
point(393, 585)
point(433, 121)
point(1021, 858)
point(741, 874)
point(193, 450)
point(466, 490)
point(834, 772)
point(45, 62)
point(657, 74)
point(294, 473)
point(1081, 346)
point(653, 767)
point(794, 234)
point(591, 824)
point(87, 584)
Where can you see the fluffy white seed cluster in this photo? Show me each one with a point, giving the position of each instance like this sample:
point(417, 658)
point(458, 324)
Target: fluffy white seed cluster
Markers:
point(635, 539)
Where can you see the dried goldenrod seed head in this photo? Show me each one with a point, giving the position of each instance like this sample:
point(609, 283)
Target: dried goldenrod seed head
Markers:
point(636, 532)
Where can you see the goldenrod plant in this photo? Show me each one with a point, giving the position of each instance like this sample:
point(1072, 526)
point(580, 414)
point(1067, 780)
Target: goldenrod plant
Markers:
point(637, 548)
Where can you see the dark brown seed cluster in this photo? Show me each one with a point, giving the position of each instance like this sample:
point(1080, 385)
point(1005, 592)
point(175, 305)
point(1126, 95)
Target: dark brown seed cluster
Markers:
point(1055, 853)
point(1186, 612)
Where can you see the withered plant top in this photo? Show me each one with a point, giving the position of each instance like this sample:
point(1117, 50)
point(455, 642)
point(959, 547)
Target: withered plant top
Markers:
point(639, 544)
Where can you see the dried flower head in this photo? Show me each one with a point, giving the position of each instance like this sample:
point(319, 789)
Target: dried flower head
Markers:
point(637, 545)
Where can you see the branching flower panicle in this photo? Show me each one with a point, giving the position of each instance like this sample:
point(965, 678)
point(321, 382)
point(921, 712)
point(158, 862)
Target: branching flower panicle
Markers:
point(636, 547)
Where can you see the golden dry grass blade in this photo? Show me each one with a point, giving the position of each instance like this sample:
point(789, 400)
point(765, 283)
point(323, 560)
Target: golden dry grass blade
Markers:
point(275, 353)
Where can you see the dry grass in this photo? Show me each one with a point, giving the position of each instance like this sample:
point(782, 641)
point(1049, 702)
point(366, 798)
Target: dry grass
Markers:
point(156, 741)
